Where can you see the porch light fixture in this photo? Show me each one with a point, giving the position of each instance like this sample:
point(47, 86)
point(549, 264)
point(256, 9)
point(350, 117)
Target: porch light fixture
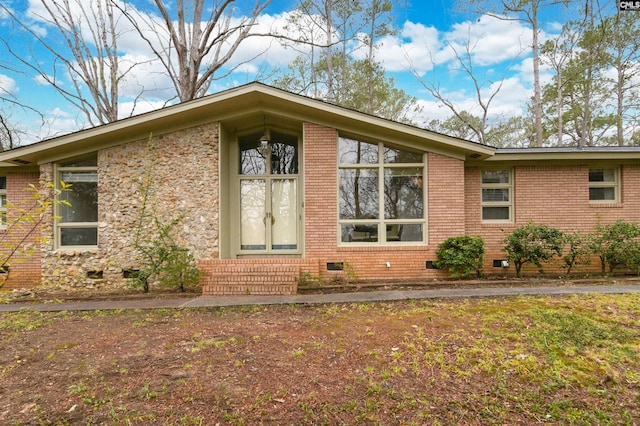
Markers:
point(264, 146)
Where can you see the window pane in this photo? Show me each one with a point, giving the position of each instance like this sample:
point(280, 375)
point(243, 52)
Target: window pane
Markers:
point(284, 212)
point(253, 214)
point(358, 194)
point(403, 193)
point(496, 195)
point(87, 161)
point(602, 175)
point(3, 182)
point(392, 155)
point(495, 176)
point(83, 197)
point(602, 194)
point(357, 152)
point(284, 154)
point(365, 233)
point(252, 162)
point(79, 236)
point(495, 213)
point(404, 232)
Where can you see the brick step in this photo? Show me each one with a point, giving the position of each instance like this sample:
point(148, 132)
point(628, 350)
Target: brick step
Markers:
point(251, 276)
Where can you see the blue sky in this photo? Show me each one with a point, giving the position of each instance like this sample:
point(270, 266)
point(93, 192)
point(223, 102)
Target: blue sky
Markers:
point(427, 30)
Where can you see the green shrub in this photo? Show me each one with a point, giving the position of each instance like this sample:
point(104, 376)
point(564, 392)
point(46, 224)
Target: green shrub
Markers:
point(631, 257)
point(462, 256)
point(577, 250)
point(615, 244)
point(533, 243)
point(180, 269)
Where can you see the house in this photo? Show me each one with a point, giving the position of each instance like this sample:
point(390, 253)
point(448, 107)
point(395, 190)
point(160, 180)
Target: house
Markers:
point(270, 186)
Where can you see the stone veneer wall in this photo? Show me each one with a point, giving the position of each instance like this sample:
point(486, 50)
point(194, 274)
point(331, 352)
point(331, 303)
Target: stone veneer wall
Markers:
point(183, 170)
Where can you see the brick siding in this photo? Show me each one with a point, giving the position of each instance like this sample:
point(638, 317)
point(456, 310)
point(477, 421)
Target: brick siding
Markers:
point(25, 270)
point(556, 196)
point(408, 263)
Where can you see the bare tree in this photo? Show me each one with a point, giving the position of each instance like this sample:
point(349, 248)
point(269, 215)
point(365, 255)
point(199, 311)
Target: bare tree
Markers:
point(485, 92)
point(337, 41)
point(623, 54)
point(7, 140)
point(527, 11)
point(329, 29)
point(197, 43)
point(86, 69)
point(10, 132)
point(556, 52)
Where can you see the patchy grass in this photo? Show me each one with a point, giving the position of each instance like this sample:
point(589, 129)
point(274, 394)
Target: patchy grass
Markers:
point(521, 360)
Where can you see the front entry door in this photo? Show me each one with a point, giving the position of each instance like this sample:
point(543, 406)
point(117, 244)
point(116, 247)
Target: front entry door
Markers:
point(268, 183)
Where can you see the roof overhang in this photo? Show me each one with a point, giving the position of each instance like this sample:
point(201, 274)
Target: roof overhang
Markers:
point(565, 155)
point(231, 106)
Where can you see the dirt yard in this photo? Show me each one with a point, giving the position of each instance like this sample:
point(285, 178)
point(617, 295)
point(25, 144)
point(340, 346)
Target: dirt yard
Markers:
point(510, 361)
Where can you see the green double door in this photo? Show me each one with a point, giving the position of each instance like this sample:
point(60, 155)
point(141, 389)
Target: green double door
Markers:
point(270, 219)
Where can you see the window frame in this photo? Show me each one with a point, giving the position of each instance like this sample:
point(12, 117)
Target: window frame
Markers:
point(3, 205)
point(509, 186)
point(616, 185)
point(59, 224)
point(381, 223)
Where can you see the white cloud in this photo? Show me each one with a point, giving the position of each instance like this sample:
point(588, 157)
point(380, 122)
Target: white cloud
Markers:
point(5, 13)
point(57, 122)
point(42, 80)
point(490, 40)
point(416, 47)
point(8, 86)
point(130, 108)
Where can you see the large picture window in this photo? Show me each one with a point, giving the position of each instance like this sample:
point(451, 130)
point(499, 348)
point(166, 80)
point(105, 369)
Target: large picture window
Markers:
point(497, 195)
point(604, 185)
point(77, 222)
point(381, 194)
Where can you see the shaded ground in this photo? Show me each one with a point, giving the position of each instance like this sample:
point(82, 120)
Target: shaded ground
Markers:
point(44, 294)
point(519, 360)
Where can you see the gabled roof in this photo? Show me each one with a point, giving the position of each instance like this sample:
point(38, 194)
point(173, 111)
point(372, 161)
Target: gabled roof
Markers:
point(231, 105)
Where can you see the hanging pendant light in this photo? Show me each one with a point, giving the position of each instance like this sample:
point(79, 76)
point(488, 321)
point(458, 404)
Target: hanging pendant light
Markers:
point(264, 144)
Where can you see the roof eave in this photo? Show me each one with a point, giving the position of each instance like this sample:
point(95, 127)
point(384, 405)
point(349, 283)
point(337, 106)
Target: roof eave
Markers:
point(565, 156)
point(237, 101)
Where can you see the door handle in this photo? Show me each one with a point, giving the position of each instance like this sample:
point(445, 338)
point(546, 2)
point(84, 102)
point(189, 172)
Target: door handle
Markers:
point(269, 215)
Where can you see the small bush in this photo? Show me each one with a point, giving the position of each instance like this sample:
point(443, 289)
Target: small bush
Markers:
point(180, 269)
point(577, 250)
point(615, 244)
point(533, 243)
point(462, 256)
point(631, 258)
point(168, 263)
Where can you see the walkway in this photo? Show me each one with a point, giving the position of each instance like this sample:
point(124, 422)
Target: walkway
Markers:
point(307, 299)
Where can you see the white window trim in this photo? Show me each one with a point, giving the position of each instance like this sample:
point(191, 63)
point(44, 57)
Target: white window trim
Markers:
point(509, 204)
point(381, 222)
point(615, 185)
point(58, 170)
